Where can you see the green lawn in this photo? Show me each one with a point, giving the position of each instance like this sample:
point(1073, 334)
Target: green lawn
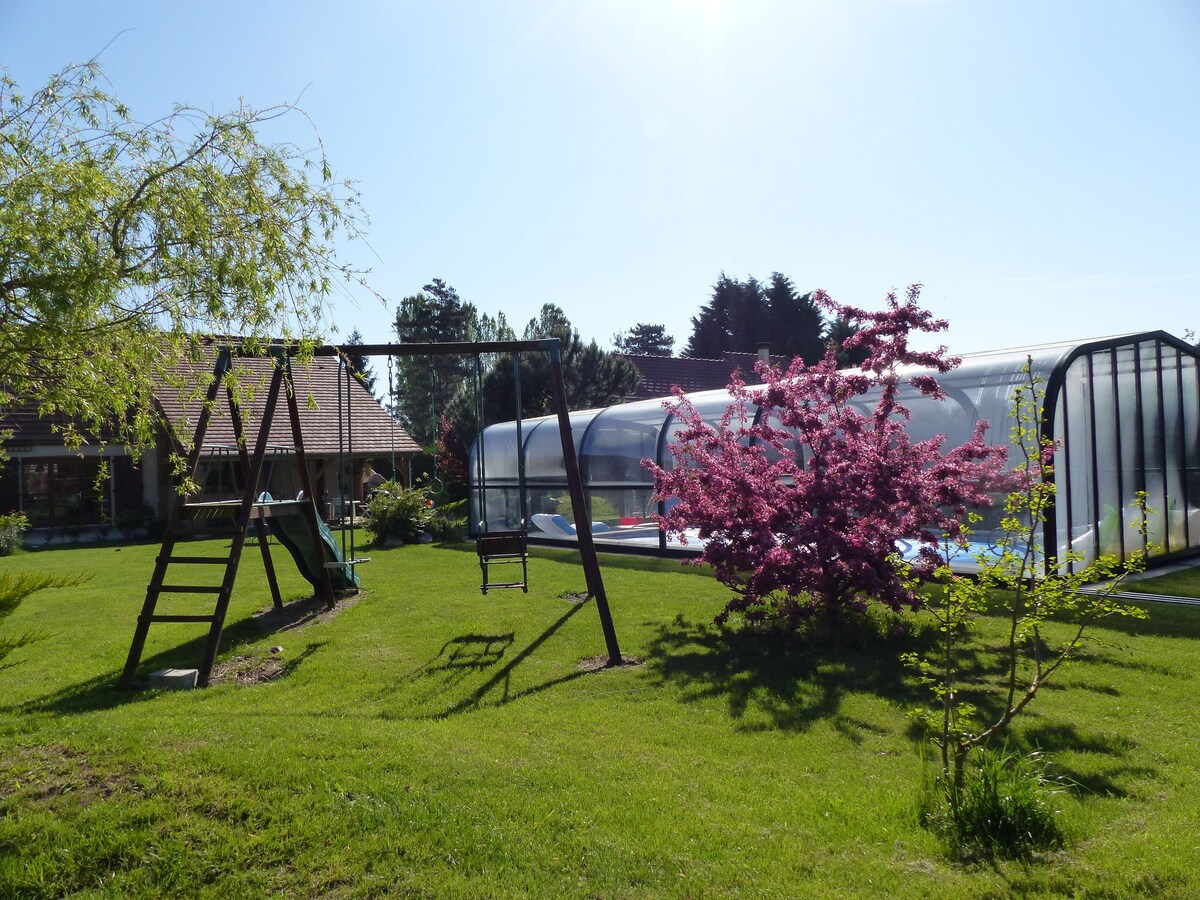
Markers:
point(1185, 583)
point(429, 741)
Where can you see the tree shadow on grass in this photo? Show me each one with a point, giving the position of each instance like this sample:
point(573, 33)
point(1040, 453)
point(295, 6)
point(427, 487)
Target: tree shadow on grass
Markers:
point(786, 681)
point(1057, 738)
point(467, 655)
point(104, 692)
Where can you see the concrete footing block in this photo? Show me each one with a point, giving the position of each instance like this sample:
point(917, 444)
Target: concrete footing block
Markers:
point(174, 679)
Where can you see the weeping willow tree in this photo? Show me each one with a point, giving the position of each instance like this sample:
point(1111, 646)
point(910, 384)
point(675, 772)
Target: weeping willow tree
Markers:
point(125, 243)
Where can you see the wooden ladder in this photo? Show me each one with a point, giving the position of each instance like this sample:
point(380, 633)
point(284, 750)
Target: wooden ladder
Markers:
point(242, 511)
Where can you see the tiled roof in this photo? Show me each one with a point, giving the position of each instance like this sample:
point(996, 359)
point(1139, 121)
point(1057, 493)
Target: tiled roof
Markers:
point(29, 428)
point(366, 422)
point(660, 374)
point(373, 431)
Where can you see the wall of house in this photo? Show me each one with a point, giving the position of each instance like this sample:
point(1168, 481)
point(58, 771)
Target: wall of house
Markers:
point(56, 487)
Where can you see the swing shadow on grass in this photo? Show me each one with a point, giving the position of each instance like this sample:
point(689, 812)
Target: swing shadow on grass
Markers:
point(468, 655)
point(104, 692)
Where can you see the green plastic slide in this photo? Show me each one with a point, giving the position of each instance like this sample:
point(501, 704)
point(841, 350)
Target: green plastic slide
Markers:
point(288, 525)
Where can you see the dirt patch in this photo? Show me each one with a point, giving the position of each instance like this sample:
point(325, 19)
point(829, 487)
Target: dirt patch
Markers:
point(301, 613)
point(55, 775)
point(575, 597)
point(247, 670)
point(599, 663)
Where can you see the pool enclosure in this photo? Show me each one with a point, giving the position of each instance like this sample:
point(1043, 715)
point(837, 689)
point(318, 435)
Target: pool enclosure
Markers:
point(1125, 412)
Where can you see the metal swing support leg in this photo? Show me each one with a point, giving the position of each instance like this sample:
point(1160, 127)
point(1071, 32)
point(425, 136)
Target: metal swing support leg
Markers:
point(583, 521)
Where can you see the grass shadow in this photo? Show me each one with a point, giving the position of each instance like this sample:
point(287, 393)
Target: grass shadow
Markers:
point(1056, 738)
point(461, 657)
point(104, 692)
point(785, 681)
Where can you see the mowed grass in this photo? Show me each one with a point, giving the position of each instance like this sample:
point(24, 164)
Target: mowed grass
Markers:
point(429, 741)
point(1184, 583)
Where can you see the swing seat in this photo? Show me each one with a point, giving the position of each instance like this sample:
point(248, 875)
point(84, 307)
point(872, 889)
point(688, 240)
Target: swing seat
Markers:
point(503, 548)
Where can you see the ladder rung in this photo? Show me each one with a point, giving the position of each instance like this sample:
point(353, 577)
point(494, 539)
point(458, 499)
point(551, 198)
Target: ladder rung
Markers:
point(189, 589)
point(195, 560)
point(182, 618)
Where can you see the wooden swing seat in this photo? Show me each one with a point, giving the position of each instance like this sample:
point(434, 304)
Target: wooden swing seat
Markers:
point(503, 548)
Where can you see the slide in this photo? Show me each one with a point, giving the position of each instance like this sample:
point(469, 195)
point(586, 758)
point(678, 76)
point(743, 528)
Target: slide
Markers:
point(292, 532)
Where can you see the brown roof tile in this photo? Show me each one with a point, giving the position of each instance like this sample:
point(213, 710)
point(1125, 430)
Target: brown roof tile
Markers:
point(659, 375)
point(367, 423)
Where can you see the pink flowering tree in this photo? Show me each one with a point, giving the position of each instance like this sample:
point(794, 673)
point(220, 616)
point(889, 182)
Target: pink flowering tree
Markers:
point(800, 506)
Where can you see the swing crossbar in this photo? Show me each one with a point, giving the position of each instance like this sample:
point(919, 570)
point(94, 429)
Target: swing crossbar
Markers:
point(503, 548)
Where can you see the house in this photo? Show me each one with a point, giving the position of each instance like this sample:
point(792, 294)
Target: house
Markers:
point(659, 375)
point(56, 487)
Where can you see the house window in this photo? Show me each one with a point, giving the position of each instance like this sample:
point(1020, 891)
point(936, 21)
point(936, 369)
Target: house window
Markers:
point(62, 491)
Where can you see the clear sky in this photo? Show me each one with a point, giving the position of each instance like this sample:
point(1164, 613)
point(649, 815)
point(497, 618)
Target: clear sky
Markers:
point(1035, 164)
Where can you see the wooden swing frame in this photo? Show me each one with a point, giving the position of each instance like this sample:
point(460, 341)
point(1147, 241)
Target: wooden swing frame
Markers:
point(246, 510)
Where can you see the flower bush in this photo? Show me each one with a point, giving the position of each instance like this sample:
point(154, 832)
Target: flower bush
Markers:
point(395, 511)
point(800, 510)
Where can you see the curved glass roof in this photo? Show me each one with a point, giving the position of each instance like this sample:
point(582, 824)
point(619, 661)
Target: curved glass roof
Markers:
point(1125, 411)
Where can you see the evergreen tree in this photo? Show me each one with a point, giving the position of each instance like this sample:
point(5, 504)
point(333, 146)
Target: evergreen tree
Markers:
point(592, 377)
point(644, 340)
point(736, 319)
point(837, 333)
point(425, 384)
point(742, 316)
point(358, 362)
point(796, 323)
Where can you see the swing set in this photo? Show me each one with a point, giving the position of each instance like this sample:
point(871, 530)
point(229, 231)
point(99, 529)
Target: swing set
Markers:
point(297, 523)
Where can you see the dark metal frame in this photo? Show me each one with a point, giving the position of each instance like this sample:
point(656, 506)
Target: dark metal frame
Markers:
point(1055, 394)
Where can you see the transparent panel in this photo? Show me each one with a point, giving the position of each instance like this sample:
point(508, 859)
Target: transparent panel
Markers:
point(624, 517)
point(1152, 471)
point(1129, 446)
point(1175, 497)
point(499, 452)
point(619, 439)
point(953, 417)
point(1074, 473)
point(711, 405)
point(543, 446)
point(1189, 440)
point(1106, 485)
point(503, 510)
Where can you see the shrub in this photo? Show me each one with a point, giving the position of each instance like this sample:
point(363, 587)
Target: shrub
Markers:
point(12, 530)
point(394, 511)
point(1026, 589)
point(1006, 807)
point(449, 521)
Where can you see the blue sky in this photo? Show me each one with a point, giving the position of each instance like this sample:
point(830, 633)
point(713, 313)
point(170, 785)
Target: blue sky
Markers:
point(1035, 164)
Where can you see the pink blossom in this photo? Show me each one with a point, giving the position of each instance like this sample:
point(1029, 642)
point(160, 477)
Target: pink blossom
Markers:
point(804, 514)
